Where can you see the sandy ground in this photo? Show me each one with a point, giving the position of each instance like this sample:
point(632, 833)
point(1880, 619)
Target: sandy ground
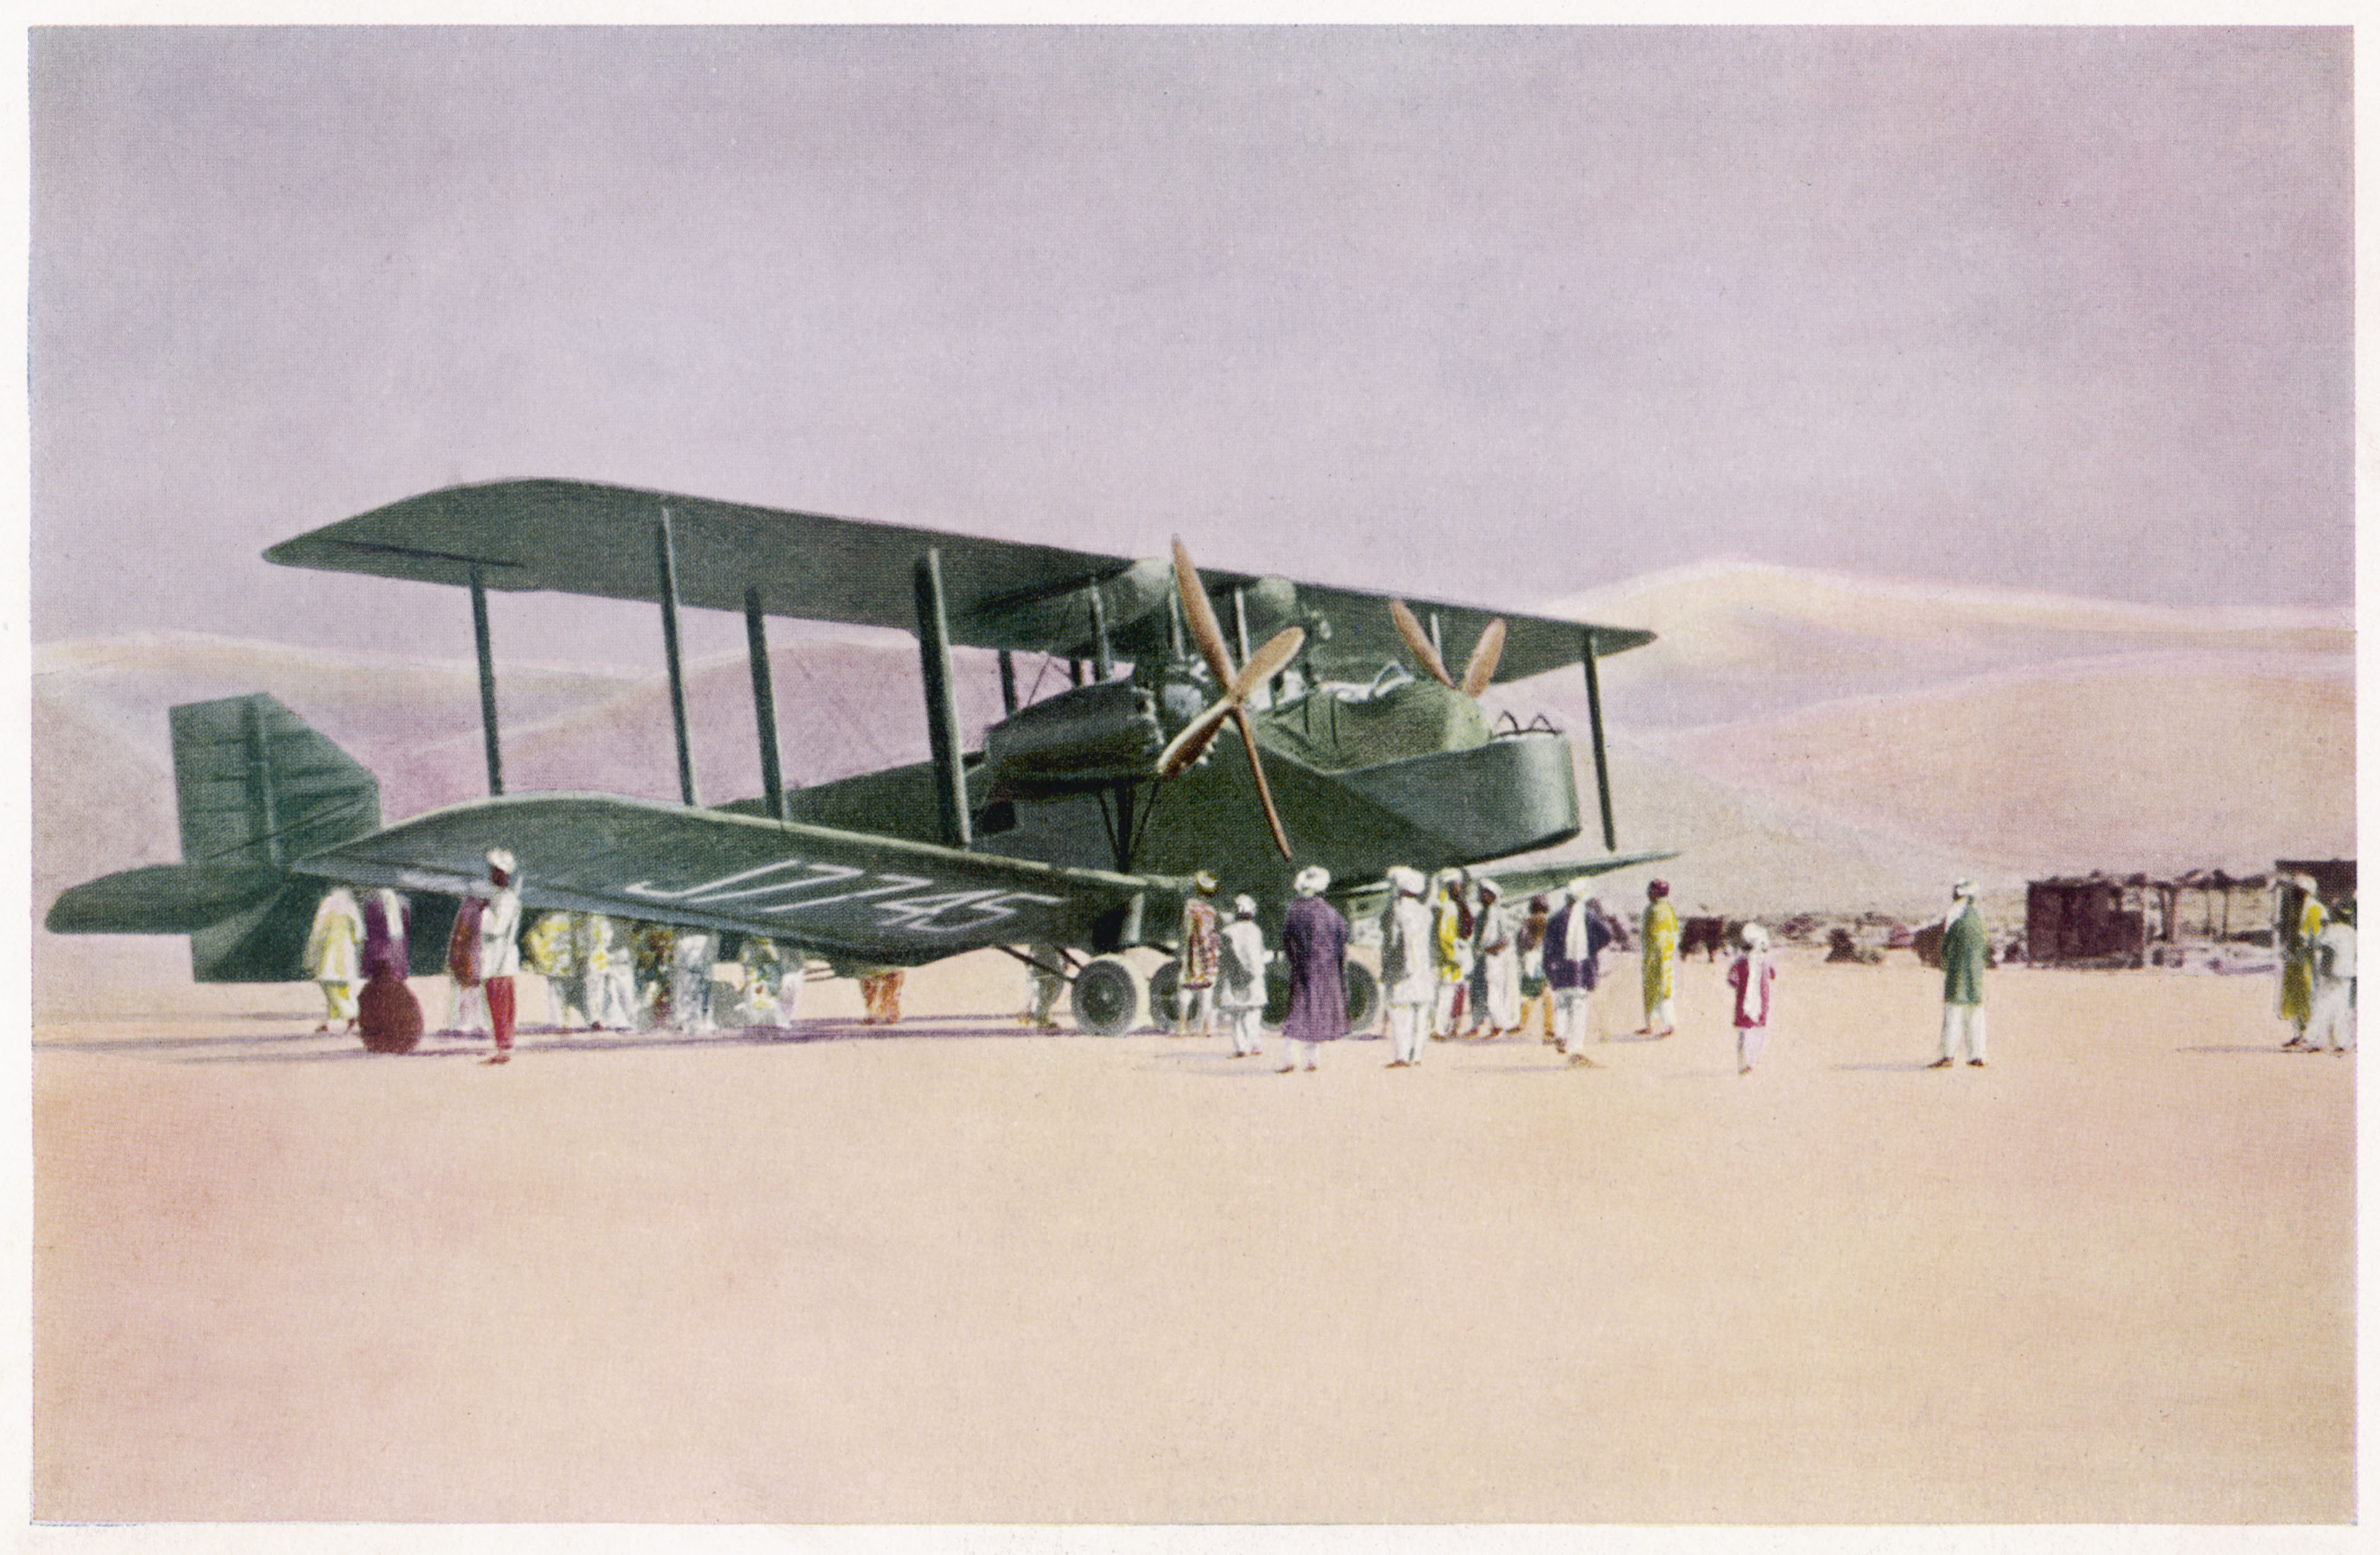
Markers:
point(960, 1273)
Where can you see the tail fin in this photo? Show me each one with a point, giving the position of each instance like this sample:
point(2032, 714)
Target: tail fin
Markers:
point(256, 788)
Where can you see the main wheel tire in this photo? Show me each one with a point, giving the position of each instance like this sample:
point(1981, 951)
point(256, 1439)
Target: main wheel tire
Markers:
point(1276, 1005)
point(1110, 997)
point(1363, 998)
point(1164, 985)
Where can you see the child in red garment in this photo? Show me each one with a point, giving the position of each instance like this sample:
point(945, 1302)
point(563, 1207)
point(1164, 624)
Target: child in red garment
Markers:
point(1751, 975)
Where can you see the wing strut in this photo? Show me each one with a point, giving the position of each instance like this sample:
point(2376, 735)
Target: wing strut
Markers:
point(1106, 661)
point(1595, 727)
point(487, 682)
point(941, 703)
point(667, 551)
point(764, 702)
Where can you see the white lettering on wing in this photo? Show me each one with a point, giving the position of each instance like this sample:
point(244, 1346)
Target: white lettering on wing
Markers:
point(647, 889)
point(935, 909)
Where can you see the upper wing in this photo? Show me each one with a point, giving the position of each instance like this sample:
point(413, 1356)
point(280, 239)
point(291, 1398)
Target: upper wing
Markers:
point(577, 537)
point(841, 894)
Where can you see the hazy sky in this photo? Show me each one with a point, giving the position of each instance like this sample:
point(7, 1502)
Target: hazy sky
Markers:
point(1487, 314)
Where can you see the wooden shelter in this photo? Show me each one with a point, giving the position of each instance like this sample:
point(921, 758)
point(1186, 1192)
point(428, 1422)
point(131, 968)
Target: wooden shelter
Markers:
point(2094, 921)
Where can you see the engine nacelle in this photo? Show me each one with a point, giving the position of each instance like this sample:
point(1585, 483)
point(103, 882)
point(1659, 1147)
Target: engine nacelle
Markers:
point(1085, 737)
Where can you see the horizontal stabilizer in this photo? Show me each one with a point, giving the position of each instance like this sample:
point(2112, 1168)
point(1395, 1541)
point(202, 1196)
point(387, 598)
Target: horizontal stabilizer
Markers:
point(162, 899)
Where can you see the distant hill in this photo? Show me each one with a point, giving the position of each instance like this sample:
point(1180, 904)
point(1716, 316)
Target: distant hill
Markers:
point(1746, 640)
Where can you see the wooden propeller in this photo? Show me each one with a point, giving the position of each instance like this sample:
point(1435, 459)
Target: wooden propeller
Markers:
point(1262, 665)
point(1476, 674)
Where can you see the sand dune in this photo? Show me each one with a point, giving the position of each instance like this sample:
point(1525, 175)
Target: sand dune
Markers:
point(2160, 763)
point(1742, 639)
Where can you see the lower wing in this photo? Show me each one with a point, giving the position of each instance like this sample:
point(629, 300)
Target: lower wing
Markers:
point(845, 895)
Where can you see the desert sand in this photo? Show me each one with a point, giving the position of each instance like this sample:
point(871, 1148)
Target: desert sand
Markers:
point(957, 1272)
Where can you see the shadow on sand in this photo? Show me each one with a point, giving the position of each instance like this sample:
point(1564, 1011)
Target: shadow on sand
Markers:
point(534, 1041)
point(2275, 1049)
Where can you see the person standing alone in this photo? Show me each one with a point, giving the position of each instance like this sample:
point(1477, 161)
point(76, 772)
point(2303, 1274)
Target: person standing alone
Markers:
point(1966, 949)
point(1752, 974)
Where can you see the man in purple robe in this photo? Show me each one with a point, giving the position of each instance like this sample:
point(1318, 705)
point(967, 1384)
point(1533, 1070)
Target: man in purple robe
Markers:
point(1575, 937)
point(1314, 942)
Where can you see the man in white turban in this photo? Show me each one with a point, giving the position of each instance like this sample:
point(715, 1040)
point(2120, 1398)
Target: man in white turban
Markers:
point(1408, 966)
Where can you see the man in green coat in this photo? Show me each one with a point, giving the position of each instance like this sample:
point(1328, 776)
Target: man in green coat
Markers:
point(1965, 949)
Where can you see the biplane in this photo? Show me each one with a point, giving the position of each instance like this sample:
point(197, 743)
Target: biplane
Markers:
point(1074, 828)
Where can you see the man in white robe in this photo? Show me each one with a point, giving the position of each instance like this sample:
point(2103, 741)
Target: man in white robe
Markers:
point(1497, 942)
point(2333, 1025)
point(1240, 984)
point(1408, 966)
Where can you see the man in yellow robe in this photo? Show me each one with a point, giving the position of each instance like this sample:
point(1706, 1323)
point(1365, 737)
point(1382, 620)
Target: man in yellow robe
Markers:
point(1659, 939)
point(334, 954)
point(2296, 935)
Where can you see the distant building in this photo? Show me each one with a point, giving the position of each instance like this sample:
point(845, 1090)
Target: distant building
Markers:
point(2096, 920)
point(2101, 920)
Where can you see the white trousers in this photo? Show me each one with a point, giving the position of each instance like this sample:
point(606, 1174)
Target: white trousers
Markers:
point(1296, 1050)
point(1962, 1020)
point(690, 1001)
point(1241, 1025)
point(1407, 1030)
point(1442, 1019)
point(1658, 1017)
point(1503, 1011)
point(2332, 1023)
point(468, 1010)
point(1570, 1018)
point(613, 992)
point(1749, 1040)
point(1202, 1001)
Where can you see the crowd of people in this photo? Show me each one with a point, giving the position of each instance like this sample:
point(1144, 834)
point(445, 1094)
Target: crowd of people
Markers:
point(1457, 962)
point(603, 973)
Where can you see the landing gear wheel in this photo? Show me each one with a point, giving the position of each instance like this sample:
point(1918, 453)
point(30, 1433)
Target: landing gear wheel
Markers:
point(1164, 987)
point(1276, 1005)
point(1111, 996)
point(1363, 998)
